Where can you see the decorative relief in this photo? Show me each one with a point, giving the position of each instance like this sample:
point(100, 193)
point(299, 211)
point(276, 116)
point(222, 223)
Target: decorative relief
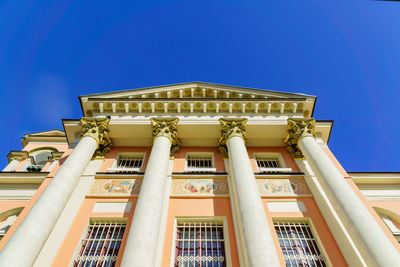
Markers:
point(230, 128)
point(298, 128)
point(167, 128)
point(97, 129)
point(199, 187)
point(121, 187)
point(275, 187)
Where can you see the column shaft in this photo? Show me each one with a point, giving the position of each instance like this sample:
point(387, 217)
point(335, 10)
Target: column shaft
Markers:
point(11, 166)
point(375, 247)
point(27, 241)
point(141, 247)
point(259, 244)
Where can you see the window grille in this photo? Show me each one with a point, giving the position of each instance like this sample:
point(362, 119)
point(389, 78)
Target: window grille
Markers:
point(200, 244)
point(268, 162)
point(128, 163)
point(199, 163)
point(298, 244)
point(101, 245)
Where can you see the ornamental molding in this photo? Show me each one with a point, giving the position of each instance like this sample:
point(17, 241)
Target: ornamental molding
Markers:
point(167, 128)
point(229, 129)
point(98, 130)
point(17, 155)
point(298, 129)
point(197, 98)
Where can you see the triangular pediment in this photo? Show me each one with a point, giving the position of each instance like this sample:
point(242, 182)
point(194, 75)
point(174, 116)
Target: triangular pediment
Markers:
point(195, 90)
point(195, 97)
point(52, 135)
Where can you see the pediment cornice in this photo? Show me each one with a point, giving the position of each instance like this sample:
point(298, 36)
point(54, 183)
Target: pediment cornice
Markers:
point(197, 98)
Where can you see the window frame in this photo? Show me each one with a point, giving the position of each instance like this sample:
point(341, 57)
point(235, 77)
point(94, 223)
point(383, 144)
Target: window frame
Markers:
point(92, 221)
point(218, 219)
point(276, 155)
point(313, 230)
point(114, 167)
point(200, 170)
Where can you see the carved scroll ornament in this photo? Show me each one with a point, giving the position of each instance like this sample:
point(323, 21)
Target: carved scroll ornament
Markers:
point(97, 129)
point(229, 129)
point(167, 128)
point(298, 129)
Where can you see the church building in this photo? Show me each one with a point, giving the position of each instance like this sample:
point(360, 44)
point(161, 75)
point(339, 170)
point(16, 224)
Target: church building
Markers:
point(193, 175)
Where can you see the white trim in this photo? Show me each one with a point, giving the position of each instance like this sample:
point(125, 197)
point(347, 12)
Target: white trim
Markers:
point(313, 230)
point(115, 168)
point(276, 155)
point(205, 154)
point(219, 219)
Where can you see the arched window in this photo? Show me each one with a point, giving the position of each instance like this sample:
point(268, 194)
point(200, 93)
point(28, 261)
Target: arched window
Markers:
point(7, 218)
point(389, 220)
point(39, 157)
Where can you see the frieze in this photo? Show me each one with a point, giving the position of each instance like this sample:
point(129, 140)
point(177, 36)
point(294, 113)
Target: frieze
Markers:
point(282, 187)
point(116, 187)
point(199, 187)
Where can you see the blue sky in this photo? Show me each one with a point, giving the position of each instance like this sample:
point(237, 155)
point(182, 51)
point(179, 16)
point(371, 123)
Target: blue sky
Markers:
point(346, 52)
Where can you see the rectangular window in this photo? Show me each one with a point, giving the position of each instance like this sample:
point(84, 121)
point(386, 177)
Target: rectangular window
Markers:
point(126, 163)
point(200, 162)
point(298, 244)
point(200, 243)
point(270, 163)
point(100, 245)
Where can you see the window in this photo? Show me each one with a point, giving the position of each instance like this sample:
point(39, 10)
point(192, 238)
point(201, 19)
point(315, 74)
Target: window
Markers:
point(39, 157)
point(7, 219)
point(200, 244)
point(200, 162)
point(392, 227)
point(100, 245)
point(298, 244)
point(128, 163)
point(270, 163)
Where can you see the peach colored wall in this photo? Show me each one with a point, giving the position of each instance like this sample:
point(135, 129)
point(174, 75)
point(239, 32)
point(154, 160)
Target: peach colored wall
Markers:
point(111, 156)
point(78, 227)
point(326, 237)
point(6, 205)
point(282, 150)
point(394, 206)
point(199, 207)
point(61, 147)
point(180, 158)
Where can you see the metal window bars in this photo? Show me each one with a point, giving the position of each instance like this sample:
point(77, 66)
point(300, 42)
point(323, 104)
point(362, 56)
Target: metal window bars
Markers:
point(298, 244)
point(101, 245)
point(129, 162)
point(200, 244)
point(199, 163)
point(268, 162)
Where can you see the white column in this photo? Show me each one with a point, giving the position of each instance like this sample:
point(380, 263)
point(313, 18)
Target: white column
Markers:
point(143, 237)
point(253, 224)
point(27, 241)
point(376, 248)
point(11, 166)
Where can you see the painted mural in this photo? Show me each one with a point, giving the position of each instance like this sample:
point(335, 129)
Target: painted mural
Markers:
point(199, 187)
point(116, 187)
point(270, 187)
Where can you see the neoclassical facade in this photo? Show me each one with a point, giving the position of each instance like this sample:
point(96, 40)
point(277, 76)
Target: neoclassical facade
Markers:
point(193, 174)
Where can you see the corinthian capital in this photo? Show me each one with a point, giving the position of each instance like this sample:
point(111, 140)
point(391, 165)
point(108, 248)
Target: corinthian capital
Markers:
point(298, 129)
point(230, 128)
point(97, 129)
point(167, 128)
